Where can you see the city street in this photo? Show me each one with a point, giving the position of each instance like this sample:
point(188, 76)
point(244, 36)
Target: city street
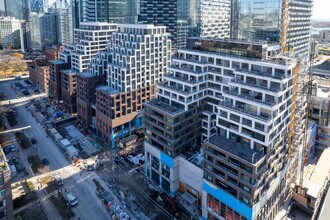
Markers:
point(81, 186)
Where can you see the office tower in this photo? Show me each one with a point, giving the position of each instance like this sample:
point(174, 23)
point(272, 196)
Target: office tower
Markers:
point(48, 29)
point(10, 32)
point(36, 6)
point(25, 35)
point(105, 10)
point(64, 25)
point(139, 57)
point(235, 99)
point(133, 11)
point(77, 12)
point(6, 201)
point(18, 9)
point(210, 18)
point(268, 20)
point(35, 31)
point(2, 8)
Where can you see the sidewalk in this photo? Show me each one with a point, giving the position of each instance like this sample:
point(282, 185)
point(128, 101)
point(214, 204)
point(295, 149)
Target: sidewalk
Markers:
point(47, 205)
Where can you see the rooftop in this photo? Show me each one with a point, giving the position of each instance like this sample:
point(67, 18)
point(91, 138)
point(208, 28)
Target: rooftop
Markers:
point(86, 74)
point(236, 149)
point(69, 72)
point(166, 108)
point(108, 90)
point(57, 61)
point(323, 91)
point(316, 175)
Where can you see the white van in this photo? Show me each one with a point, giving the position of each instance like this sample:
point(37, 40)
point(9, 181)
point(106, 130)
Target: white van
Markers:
point(71, 199)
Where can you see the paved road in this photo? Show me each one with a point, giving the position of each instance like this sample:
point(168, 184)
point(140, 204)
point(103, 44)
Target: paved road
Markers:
point(89, 207)
point(325, 209)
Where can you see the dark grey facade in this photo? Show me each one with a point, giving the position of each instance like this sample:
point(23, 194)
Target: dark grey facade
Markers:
point(48, 29)
point(171, 129)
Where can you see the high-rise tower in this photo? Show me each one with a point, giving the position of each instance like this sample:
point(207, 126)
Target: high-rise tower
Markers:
point(209, 18)
point(272, 19)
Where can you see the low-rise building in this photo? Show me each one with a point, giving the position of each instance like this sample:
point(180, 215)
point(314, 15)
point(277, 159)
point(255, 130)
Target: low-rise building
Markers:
point(69, 90)
point(39, 74)
point(55, 78)
point(86, 85)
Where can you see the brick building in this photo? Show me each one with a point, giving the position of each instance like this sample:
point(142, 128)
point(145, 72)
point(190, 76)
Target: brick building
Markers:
point(86, 85)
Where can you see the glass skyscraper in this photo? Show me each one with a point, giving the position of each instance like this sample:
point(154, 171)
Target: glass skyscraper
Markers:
point(257, 19)
point(261, 20)
point(186, 18)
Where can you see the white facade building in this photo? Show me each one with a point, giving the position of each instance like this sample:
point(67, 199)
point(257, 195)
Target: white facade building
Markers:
point(10, 32)
point(240, 101)
point(89, 39)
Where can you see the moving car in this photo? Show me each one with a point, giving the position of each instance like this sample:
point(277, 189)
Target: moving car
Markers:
point(71, 199)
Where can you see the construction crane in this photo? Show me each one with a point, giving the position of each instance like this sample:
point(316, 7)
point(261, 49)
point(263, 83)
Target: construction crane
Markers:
point(308, 91)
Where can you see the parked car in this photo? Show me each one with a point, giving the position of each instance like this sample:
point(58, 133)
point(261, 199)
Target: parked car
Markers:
point(45, 161)
point(6, 150)
point(71, 199)
point(12, 148)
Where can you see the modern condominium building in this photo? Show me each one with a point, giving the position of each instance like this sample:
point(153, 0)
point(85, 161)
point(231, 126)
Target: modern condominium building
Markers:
point(237, 100)
point(271, 19)
point(138, 57)
point(210, 18)
point(89, 39)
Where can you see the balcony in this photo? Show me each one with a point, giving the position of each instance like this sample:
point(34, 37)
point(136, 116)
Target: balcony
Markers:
point(268, 103)
point(263, 74)
point(182, 68)
point(263, 117)
point(255, 85)
point(172, 77)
